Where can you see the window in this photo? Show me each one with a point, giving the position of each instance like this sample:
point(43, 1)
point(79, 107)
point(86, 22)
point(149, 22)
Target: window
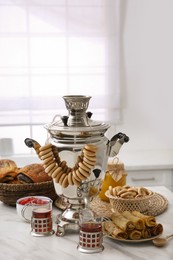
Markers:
point(52, 48)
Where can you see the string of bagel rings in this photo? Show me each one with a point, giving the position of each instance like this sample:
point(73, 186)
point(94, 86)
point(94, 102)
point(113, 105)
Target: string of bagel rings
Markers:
point(60, 171)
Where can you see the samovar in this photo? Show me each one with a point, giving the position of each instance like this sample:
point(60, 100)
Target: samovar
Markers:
point(75, 154)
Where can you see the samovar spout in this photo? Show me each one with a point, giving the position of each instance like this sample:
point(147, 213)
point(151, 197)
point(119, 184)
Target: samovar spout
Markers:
point(114, 145)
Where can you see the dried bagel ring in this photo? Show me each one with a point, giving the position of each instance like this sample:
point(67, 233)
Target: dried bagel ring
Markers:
point(119, 193)
point(33, 144)
point(57, 178)
point(92, 163)
point(79, 175)
point(36, 147)
point(50, 167)
point(63, 165)
point(79, 158)
point(83, 172)
point(77, 183)
point(75, 175)
point(55, 151)
point(70, 180)
point(118, 188)
point(114, 192)
point(91, 147)
point(92, 159)
point(142, 191)
point(44, 147)
point(45, 151)
point(59, 170)
point(62, 178)
point(110, 190)
point(56, 172)
point(88, 165)
point(50, 154)
point(68, 169)
point(52, 170)
point(127, 195)
point(88, 153)
point(48, 161)
point(65, 182)
point(84, 167)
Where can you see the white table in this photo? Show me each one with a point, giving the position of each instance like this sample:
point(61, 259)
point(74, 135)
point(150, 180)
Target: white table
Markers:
point(17, 243)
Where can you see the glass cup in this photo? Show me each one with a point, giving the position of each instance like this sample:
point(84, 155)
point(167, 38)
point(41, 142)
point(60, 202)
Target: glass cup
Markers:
point(90, 232)
point(41, 220)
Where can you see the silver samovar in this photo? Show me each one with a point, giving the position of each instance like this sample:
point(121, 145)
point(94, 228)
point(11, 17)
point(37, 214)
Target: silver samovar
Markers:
point(75, 155)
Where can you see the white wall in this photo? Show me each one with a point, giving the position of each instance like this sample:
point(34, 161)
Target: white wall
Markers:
point(147, 75)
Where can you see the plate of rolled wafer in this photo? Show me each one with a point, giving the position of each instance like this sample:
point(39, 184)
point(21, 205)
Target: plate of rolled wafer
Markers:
point(132, 227)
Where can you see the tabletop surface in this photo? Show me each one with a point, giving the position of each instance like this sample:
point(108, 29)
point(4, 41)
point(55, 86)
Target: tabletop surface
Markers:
point(17, 243)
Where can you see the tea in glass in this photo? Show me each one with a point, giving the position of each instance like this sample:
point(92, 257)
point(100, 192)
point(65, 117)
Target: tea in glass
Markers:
point(41, 221)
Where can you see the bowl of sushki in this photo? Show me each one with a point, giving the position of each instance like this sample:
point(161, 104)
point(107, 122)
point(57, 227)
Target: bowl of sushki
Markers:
point(128, 198)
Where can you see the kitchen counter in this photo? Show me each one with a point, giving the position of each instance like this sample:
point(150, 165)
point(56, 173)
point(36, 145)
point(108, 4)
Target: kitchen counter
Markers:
point(16, 242)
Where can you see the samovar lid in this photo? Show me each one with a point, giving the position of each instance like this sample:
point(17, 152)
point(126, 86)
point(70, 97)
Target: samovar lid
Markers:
point(78, 123)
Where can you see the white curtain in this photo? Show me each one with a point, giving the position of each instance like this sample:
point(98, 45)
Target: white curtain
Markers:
point(51, 48)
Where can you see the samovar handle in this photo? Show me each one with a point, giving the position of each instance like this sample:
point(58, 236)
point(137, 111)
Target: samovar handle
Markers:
point(115, 144)
point(31, 143)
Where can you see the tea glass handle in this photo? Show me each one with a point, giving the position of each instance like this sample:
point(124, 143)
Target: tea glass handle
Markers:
point(23, 213)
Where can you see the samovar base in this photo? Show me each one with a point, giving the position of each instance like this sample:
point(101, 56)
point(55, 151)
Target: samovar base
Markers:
point(68, 220)
point(64, 226)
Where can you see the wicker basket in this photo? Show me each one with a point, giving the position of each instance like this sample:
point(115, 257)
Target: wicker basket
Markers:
point(10, 193)
point(140, 204)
